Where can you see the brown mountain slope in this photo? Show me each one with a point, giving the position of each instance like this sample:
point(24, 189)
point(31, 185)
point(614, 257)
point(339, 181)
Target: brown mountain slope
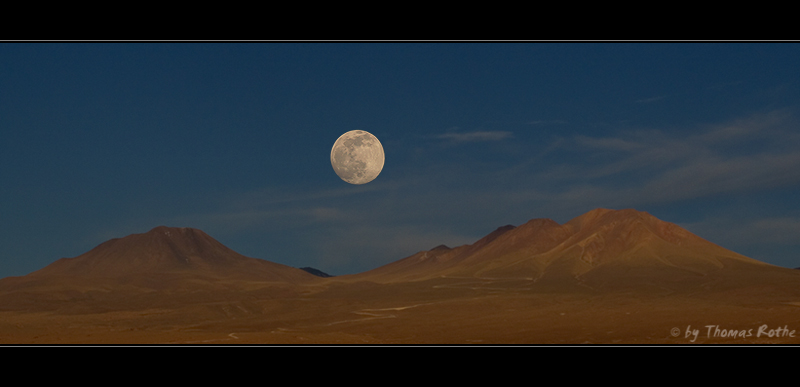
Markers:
point(604, 277)
point(164, 257)
point(602, 249)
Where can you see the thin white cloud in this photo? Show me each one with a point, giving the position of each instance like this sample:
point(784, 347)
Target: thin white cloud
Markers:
point(451, 202)
point(771, 125)
point(726, 175)
point(654, 167)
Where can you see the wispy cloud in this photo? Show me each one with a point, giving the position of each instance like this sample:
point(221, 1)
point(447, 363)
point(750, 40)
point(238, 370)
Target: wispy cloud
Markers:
point(476, 136)
point(654, 166)
point(649, 167)
point(446, 199)
point(630, 169)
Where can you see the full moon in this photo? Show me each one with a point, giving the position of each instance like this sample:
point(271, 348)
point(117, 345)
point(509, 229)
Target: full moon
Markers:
point(357, 157)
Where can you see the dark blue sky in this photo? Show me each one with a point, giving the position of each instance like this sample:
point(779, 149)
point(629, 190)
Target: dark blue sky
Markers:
point(104, 140)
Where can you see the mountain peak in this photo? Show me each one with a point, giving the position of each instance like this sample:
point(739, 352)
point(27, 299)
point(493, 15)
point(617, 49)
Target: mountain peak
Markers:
point(166, 229)
point(599, 244)
point(168, 250)
point(440, 247)
point(173, 232)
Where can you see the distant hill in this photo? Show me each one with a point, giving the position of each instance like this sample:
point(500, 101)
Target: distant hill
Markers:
point(162, 258)
point(607, 276)
point(602, 249)
point(316, 272)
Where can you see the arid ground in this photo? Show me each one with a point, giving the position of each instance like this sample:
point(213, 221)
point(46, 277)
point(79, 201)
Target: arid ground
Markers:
point(607, 277)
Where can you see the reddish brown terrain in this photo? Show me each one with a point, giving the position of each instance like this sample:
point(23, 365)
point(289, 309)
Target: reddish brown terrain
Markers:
point(604, 277)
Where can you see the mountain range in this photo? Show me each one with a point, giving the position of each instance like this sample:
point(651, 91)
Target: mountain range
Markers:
point(601, 249)
point(602, 253)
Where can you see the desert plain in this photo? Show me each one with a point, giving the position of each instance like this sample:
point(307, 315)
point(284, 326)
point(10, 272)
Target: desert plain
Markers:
point(605, 277)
